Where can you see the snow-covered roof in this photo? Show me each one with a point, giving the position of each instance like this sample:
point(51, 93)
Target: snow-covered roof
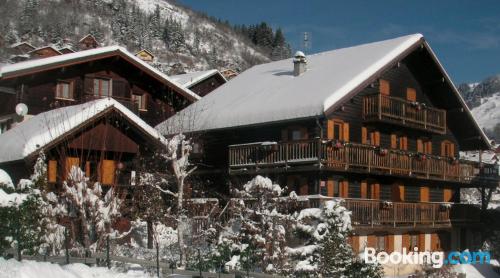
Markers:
point(21, 43)
point(489, 157)
point(270, 92)
point(192, 78)
point(91, 54)
point(86, 36)
point(44, 47)
point(31, 136)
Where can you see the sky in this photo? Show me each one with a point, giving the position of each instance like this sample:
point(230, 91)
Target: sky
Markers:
point(464, 34)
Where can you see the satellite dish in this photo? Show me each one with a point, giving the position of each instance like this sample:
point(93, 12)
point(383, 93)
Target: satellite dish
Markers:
point(21, 109)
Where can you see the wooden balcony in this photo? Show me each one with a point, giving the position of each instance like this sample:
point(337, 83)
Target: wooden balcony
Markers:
point(379, 107)
point(351, 157)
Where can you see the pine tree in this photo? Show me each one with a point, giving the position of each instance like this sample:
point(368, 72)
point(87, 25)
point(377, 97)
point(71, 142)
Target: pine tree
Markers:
point(280, 48)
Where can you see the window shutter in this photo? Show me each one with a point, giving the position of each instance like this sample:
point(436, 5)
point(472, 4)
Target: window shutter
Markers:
point(411, 94)
point(330, 129)
point(344, 189)
point(447, 195)
point(421, 242)
point(329, 188)
point(443, 148)
point(428, 147)
point(389, 243)
point(420, 146)
point(354, 240)
point(345, 128)
point(424, 194)
point(364, 135)
point(377, 138)
point(405, 241)
point(304, 188)
point(375, 191)
point(394, 141)
point(384, 87)
point(405, 143)
point(108, 168)
point(371, 241)
point(87, 169)
point(52, 171)
point(452, 149)
point(364, 189)
point(435, 244)
point(70, 162)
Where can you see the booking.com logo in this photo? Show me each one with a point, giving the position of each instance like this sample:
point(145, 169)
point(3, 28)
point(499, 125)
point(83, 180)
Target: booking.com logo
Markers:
point(436, 259)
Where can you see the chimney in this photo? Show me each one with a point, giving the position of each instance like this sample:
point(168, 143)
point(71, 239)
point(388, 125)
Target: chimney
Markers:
point(299, 63)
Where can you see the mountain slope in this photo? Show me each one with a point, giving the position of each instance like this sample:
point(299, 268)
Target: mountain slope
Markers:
point(181, 39)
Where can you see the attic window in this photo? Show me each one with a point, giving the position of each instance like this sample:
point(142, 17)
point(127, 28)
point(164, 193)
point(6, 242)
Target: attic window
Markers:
point(140, 101)
point(64, 90)
point(102, 87)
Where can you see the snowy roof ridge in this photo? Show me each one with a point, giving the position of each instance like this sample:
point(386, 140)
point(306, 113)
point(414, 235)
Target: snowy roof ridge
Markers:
point(46, 46)
point(41, 130)
point(192, 78)
point(271, 93)
point(40, 64)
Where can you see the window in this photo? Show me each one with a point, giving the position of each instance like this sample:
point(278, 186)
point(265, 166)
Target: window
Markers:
point(64, 90)
point(411, 94)
point(413, 241)
point(370, 136)
point(140, 101)
point(424, 146)
point(447, 149)
point(384, 87)
point(296, 135)
point(338, 130)
point(102, 87)
point(399, 141)
point(380, 243)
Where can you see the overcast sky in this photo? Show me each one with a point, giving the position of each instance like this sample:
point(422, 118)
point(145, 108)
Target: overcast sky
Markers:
point(464, 34)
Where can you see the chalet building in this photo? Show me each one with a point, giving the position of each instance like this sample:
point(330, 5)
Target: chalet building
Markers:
point(21, 48)
point(44, 52)
point(145, 55)
point(101, 137)
point(379, 125)
point(66, 50)
point(108, 72)
point(229, 73)
point(201, 82)
point(88, 42)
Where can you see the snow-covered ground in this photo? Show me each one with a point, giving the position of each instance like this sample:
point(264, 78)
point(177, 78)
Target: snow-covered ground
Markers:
point(31, 269)
point(488, 113)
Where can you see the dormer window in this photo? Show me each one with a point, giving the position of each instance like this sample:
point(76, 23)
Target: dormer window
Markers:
point(102, 87)
point(64, 90)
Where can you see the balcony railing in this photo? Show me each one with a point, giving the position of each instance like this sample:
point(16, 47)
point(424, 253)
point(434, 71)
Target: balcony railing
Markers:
point(130, 103)
point(407, 113)
point(352, 157)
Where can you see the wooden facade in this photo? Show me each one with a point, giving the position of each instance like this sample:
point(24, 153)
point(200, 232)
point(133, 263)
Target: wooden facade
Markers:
point(207, 85)
point(44, 52)
point(88, 42)
point(112, 77)
point(390, 151)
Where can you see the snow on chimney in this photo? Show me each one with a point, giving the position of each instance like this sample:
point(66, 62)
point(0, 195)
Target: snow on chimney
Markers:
point(299, 63)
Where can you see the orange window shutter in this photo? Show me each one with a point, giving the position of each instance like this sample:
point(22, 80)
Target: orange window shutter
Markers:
point(329, 188)
point(371, 241)
point(405, 241)
point(70, 162)
point(344, 189)
point(411, 94)
point(364, 135)
point(424, 194)
point(389, 243)
point(87, 169)
point(452, 149)
point(384, 87)
point(364, 190)
point(443, 148)
point(447, 194)
point(345, 135)
point(355, 243)
point(377, 138)
point(394, 141)
point(52, 171)
point(375, 191)
point(401, 192)
point(420, 146)
point(330, 129)
point(435, 244)
point(421, 242)
point(108, 168)
point(428, 147)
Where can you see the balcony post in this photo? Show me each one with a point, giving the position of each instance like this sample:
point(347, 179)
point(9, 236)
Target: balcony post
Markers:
point(371, 214)
point(394, 211)
point(380, 106)
point(319, 151)
point(433, 215)
point(286, 155)
point(414, 215)
point(404, 113)
point(425, 118)
point(346, 154)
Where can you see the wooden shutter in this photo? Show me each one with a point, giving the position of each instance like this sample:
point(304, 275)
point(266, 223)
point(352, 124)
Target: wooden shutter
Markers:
point(70, 162)
point(424, 194)
point(398, 192)
point(345, 131)
point(344, 189)
point(375, 191)
point(420, 146)
point(405, 240)
point(394, 141)
point(354, 241)
point(435, 243)
point(411, 94)
point(108, 168)
point(304, 188)
point(375, 138)
point(371, 241)
point(428, 147)
point(389, 243)
point(364, 190)
point(87, 169)
point(404, 143)
point(364, 135)
point(447, 194)
point(384, 87)
point(52, 171)
point(330, 129)
point(421, 242)
point(329, 187)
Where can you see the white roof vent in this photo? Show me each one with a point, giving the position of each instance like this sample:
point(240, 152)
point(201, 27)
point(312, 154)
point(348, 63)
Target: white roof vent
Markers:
point(299, 63)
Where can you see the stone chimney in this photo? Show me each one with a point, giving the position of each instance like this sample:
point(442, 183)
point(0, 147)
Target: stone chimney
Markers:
point(299, 63)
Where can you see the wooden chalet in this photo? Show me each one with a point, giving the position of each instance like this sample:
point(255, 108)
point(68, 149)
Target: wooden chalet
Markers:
point(76, 78)
point(201, 82)
point(44, 52)
point(145, 55)
point(229, 73)
point(88, 42)
point(102, 137)
point(21, 48)
point(66, 50)
point(379, 125)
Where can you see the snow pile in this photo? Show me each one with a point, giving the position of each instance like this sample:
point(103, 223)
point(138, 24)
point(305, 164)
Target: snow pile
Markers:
point(478, 270)
point(31, 269)
point(5, 179)
point(12, 199)
point(487, 114)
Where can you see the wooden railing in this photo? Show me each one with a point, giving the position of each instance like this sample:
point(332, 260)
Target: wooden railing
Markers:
point(417, 115)
point(326, 154)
